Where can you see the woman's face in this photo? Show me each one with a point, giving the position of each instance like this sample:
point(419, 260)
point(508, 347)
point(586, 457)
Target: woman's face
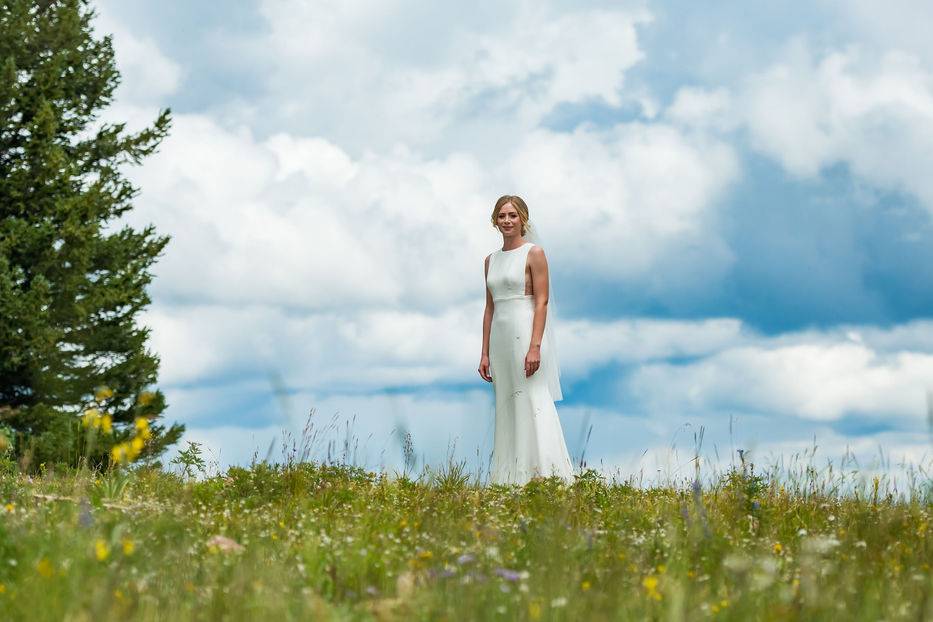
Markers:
point(508, 220)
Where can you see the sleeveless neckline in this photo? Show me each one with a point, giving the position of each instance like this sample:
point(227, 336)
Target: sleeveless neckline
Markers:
point(516, 248)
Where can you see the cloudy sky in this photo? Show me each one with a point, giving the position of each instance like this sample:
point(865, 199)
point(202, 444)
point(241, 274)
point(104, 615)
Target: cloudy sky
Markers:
point(736, 206)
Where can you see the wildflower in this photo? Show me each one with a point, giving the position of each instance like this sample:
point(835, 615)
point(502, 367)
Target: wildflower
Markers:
point(106, 424)
point(777, 548)
point(223, 543)
point(466, 558)
point(9, 507)
point(2, 588)
point(44, 567)
point(118, 453)
point(560, 601)
point(650, 584)
point(764, 573)
point(136, 446)
point(511, 575)
point(145, 398)
point(101, 550)
point(142, 427)
point(534, 610)
point(820, 544)
point(128, 546)
point(91, 418)
point(103, 392)
point(585, 586)
point(736, 562)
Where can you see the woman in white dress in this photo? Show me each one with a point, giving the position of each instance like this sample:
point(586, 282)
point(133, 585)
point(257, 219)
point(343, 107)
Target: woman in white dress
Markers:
point(517, 355)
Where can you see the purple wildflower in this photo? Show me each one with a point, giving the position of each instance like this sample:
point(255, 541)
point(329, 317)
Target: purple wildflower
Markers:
point(508, 575)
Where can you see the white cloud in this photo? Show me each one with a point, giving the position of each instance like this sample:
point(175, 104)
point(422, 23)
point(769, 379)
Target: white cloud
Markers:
point(367, 77)
point(298, 222)
point(894, 25)
point(817, 381)
point(146, 74)
point(628, 199)
point(703, 108)
point(872, 112)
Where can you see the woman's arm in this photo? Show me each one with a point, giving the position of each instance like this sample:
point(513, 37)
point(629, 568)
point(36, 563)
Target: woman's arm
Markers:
point(537, 262)
point(487, 323)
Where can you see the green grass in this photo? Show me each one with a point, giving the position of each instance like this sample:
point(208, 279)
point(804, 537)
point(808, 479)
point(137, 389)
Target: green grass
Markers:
point(329, 541)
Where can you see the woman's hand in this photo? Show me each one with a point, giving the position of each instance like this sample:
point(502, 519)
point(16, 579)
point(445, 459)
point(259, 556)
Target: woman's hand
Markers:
point(484, 368)
point(532, 361)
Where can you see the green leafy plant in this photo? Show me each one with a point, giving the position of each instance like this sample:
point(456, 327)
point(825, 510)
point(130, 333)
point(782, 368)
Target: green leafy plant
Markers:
point(190, 460)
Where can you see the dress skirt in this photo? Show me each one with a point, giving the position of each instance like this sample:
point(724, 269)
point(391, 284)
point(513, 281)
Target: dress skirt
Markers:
point(529, 441)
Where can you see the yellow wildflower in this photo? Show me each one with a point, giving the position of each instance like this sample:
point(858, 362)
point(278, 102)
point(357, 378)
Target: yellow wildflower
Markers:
point(145, 398)
point(101, 550)
point(585, 586)
point(777, 548)
point(534, 610)
point(44, 567)
point(106, 424)
point(2, 588)
point(142, 428)
point(650, 584)
point(9, 507)
point(118, 454)
point(103, 392)
point(90, 418)
point(128, 546)
point(661, 568)
point(136, 446)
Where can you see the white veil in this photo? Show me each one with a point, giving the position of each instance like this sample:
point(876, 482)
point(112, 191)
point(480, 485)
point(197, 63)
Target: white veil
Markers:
point(550, 363)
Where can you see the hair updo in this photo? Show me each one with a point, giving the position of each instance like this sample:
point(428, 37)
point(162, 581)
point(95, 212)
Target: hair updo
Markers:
point(518, 203)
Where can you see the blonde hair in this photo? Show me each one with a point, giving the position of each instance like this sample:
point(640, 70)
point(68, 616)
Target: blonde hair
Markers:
point(518, 203)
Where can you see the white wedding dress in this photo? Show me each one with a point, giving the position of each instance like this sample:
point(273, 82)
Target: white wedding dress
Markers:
point(528, 437)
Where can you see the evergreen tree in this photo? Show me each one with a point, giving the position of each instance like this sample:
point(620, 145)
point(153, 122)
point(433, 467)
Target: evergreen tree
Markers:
point(69, 290)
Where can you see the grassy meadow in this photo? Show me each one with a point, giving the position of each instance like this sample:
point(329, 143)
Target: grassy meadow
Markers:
point(306, 540)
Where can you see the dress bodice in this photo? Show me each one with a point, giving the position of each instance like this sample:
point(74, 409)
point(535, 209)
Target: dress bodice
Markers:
point(506, 275)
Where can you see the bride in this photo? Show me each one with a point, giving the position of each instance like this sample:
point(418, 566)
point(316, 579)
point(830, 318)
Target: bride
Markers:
point(519, 355)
